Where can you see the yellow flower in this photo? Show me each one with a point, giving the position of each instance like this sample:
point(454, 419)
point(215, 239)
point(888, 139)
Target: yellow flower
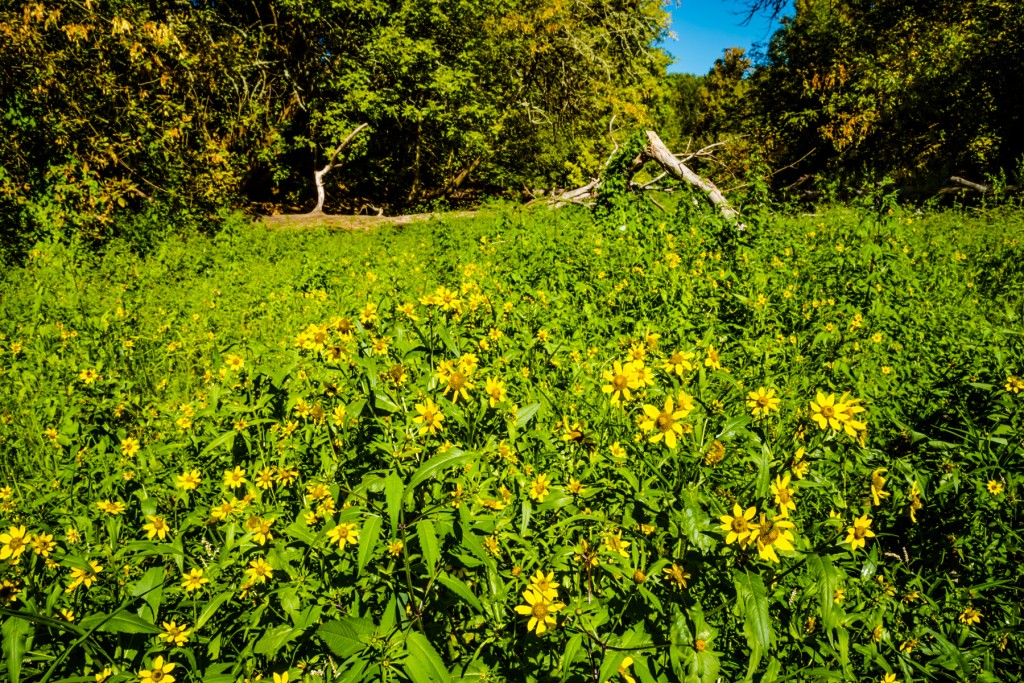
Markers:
point(259, 570)
point(664, 423)
point(159, 673)
point(88, 376)
point(225, 509)
point(617, 451)
point(576, 487)
point(395, 549)
point(104, 675)
point(157, 526)
point(621, 379)
point(713, 360)
point(287, 475)
point(738, 525)
point(344, 533)
point(368, 314)
point(260, 529)
point(679, 363)
point(860, 530)
point(539, 488)
point(877, 486)
point(456, 381)
point(15, 541)
point(970, 616)
point(615, 544)
point(624, 669)
point(281, 678)
point(129, 447)
point(889, 678)
point(115, 507)
point(783, 494)
point(42, 544)
point(771, 535)
point(194, 580)
point(173, 633)
point(495, 390)
point(234, 361)
point(189, 480)
point(235, 478)
point(677, 574)
point(994, 487)
point(84, 577)
point(762, 402)
point(540, 610)
point(642, 375)
point(544, 585)
point(430, 417)
point(824, 412)
point(838, 595)
point(265, 478)
point(1014, 384)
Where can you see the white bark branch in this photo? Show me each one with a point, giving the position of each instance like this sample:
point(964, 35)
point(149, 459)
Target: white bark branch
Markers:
point(318, 176)
point(658, 152)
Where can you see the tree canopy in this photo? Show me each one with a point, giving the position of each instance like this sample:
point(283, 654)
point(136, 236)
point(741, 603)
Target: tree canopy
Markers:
point(109, 105)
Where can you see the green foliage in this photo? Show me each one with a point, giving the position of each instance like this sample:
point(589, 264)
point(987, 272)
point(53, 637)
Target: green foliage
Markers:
point(113, 108)
point(913, 90)
point(374, 540)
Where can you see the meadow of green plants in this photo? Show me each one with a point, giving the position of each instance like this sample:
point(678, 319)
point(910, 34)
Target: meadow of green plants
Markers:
point(529, 446)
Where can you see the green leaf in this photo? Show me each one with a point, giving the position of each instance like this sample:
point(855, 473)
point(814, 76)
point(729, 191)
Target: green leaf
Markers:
point(150, 586)
point(118, 623)
point(15, 632)
point(394, 488)
point(301, 532)
point(346, 636)
point(276, 638)
point(828, 579)
point(368, 538)
point(453, 457)
point(459, 587)
point(610, 665)
point(693, 521)
point(423, 664)
point(752, 605)
point(428, 543)
point(525, 414)
point(569, 654)
point(210, 609)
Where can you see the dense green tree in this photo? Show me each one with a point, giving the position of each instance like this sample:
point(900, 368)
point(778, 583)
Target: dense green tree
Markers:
point(124, 103)
point(915, 90)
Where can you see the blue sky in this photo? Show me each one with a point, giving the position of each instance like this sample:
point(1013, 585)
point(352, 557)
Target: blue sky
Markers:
point(701, 29)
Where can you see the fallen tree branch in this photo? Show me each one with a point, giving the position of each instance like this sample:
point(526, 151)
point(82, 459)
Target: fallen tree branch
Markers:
point(655, 150)
point(977, 187)
point(658, 152)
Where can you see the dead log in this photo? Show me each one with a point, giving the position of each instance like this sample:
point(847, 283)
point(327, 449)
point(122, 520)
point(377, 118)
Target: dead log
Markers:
point(977, 187)
point(658, 152)
point(318, 176)
point(655, 150)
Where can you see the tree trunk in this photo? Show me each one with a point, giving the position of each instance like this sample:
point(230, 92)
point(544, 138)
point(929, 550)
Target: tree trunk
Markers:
point(318, 175)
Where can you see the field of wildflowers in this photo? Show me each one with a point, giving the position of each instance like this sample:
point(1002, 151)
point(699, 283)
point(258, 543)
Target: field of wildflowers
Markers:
point(527, 447)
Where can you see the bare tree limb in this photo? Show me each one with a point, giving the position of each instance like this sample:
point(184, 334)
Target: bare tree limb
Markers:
point(658, 152)
point(318, 176)
point(977, 187)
